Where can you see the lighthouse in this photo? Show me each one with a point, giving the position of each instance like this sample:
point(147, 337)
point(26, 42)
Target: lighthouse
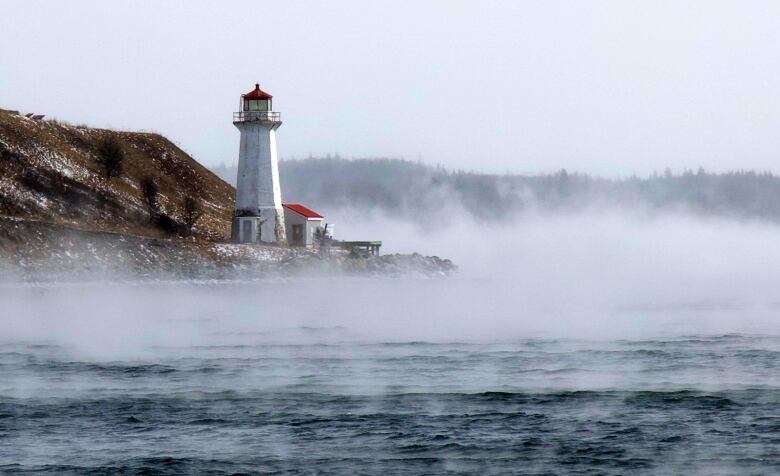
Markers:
point(259, 216)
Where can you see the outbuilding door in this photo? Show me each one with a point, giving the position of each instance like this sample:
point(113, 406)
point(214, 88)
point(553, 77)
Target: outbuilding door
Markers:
point(297, 234)
point(246, 231)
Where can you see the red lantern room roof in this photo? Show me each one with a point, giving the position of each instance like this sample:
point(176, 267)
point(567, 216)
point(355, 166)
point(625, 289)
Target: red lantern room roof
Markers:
point(257, 93)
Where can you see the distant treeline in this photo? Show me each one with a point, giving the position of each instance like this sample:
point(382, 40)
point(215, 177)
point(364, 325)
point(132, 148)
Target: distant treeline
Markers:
point(413, 190)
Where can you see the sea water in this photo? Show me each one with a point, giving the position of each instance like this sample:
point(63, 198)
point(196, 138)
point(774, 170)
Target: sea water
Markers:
point(380, 376)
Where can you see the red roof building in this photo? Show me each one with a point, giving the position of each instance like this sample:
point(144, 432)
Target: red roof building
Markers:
point(301, 224)
point(303, 211)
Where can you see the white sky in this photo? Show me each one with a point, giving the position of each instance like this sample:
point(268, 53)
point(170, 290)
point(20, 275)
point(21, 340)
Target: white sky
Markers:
point(604, 87)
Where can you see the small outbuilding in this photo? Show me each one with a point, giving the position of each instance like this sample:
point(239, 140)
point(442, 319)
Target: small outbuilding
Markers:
point(301, 224)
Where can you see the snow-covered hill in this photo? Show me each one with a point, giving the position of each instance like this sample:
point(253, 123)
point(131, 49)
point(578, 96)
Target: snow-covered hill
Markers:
point(51, 172)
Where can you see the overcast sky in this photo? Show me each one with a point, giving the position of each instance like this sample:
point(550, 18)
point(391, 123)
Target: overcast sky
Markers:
point(604, 87)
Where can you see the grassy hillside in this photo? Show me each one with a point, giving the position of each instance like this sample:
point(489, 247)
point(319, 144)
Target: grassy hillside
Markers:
point(51, 172)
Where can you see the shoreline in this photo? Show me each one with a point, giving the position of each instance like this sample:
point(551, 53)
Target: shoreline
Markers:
point(34, 251)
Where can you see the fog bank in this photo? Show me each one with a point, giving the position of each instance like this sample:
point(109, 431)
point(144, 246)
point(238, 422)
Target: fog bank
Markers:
point(585, 276)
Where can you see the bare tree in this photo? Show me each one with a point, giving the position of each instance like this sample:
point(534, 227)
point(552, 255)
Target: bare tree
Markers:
point(110, 156)
point(192, 213)
point(149, 192)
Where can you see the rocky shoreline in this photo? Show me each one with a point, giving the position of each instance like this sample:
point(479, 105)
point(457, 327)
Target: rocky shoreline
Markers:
point(37, 251)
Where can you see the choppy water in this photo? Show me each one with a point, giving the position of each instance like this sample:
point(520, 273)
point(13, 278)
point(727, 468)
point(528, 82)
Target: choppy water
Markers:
point(694, 404)
point(263, 379)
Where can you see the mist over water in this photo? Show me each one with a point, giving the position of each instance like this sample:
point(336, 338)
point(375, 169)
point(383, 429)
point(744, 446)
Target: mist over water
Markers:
point(602, 342)
point(583, 272)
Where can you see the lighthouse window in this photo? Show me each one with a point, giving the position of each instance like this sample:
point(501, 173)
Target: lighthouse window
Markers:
point(256, 105)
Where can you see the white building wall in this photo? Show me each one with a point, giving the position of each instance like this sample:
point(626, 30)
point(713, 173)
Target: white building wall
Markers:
point(309, 226)
point(257, 185)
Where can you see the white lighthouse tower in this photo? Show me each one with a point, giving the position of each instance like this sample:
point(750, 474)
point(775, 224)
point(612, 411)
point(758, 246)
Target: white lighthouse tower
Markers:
point(259, 216)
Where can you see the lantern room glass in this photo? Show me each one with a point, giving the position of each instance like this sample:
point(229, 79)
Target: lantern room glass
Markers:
point(257, 105)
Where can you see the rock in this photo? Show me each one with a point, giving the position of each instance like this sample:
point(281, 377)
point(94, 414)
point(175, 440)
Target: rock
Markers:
point(35, 251)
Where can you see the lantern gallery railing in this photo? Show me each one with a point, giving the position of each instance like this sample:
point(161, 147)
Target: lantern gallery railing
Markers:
point(264, 116)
